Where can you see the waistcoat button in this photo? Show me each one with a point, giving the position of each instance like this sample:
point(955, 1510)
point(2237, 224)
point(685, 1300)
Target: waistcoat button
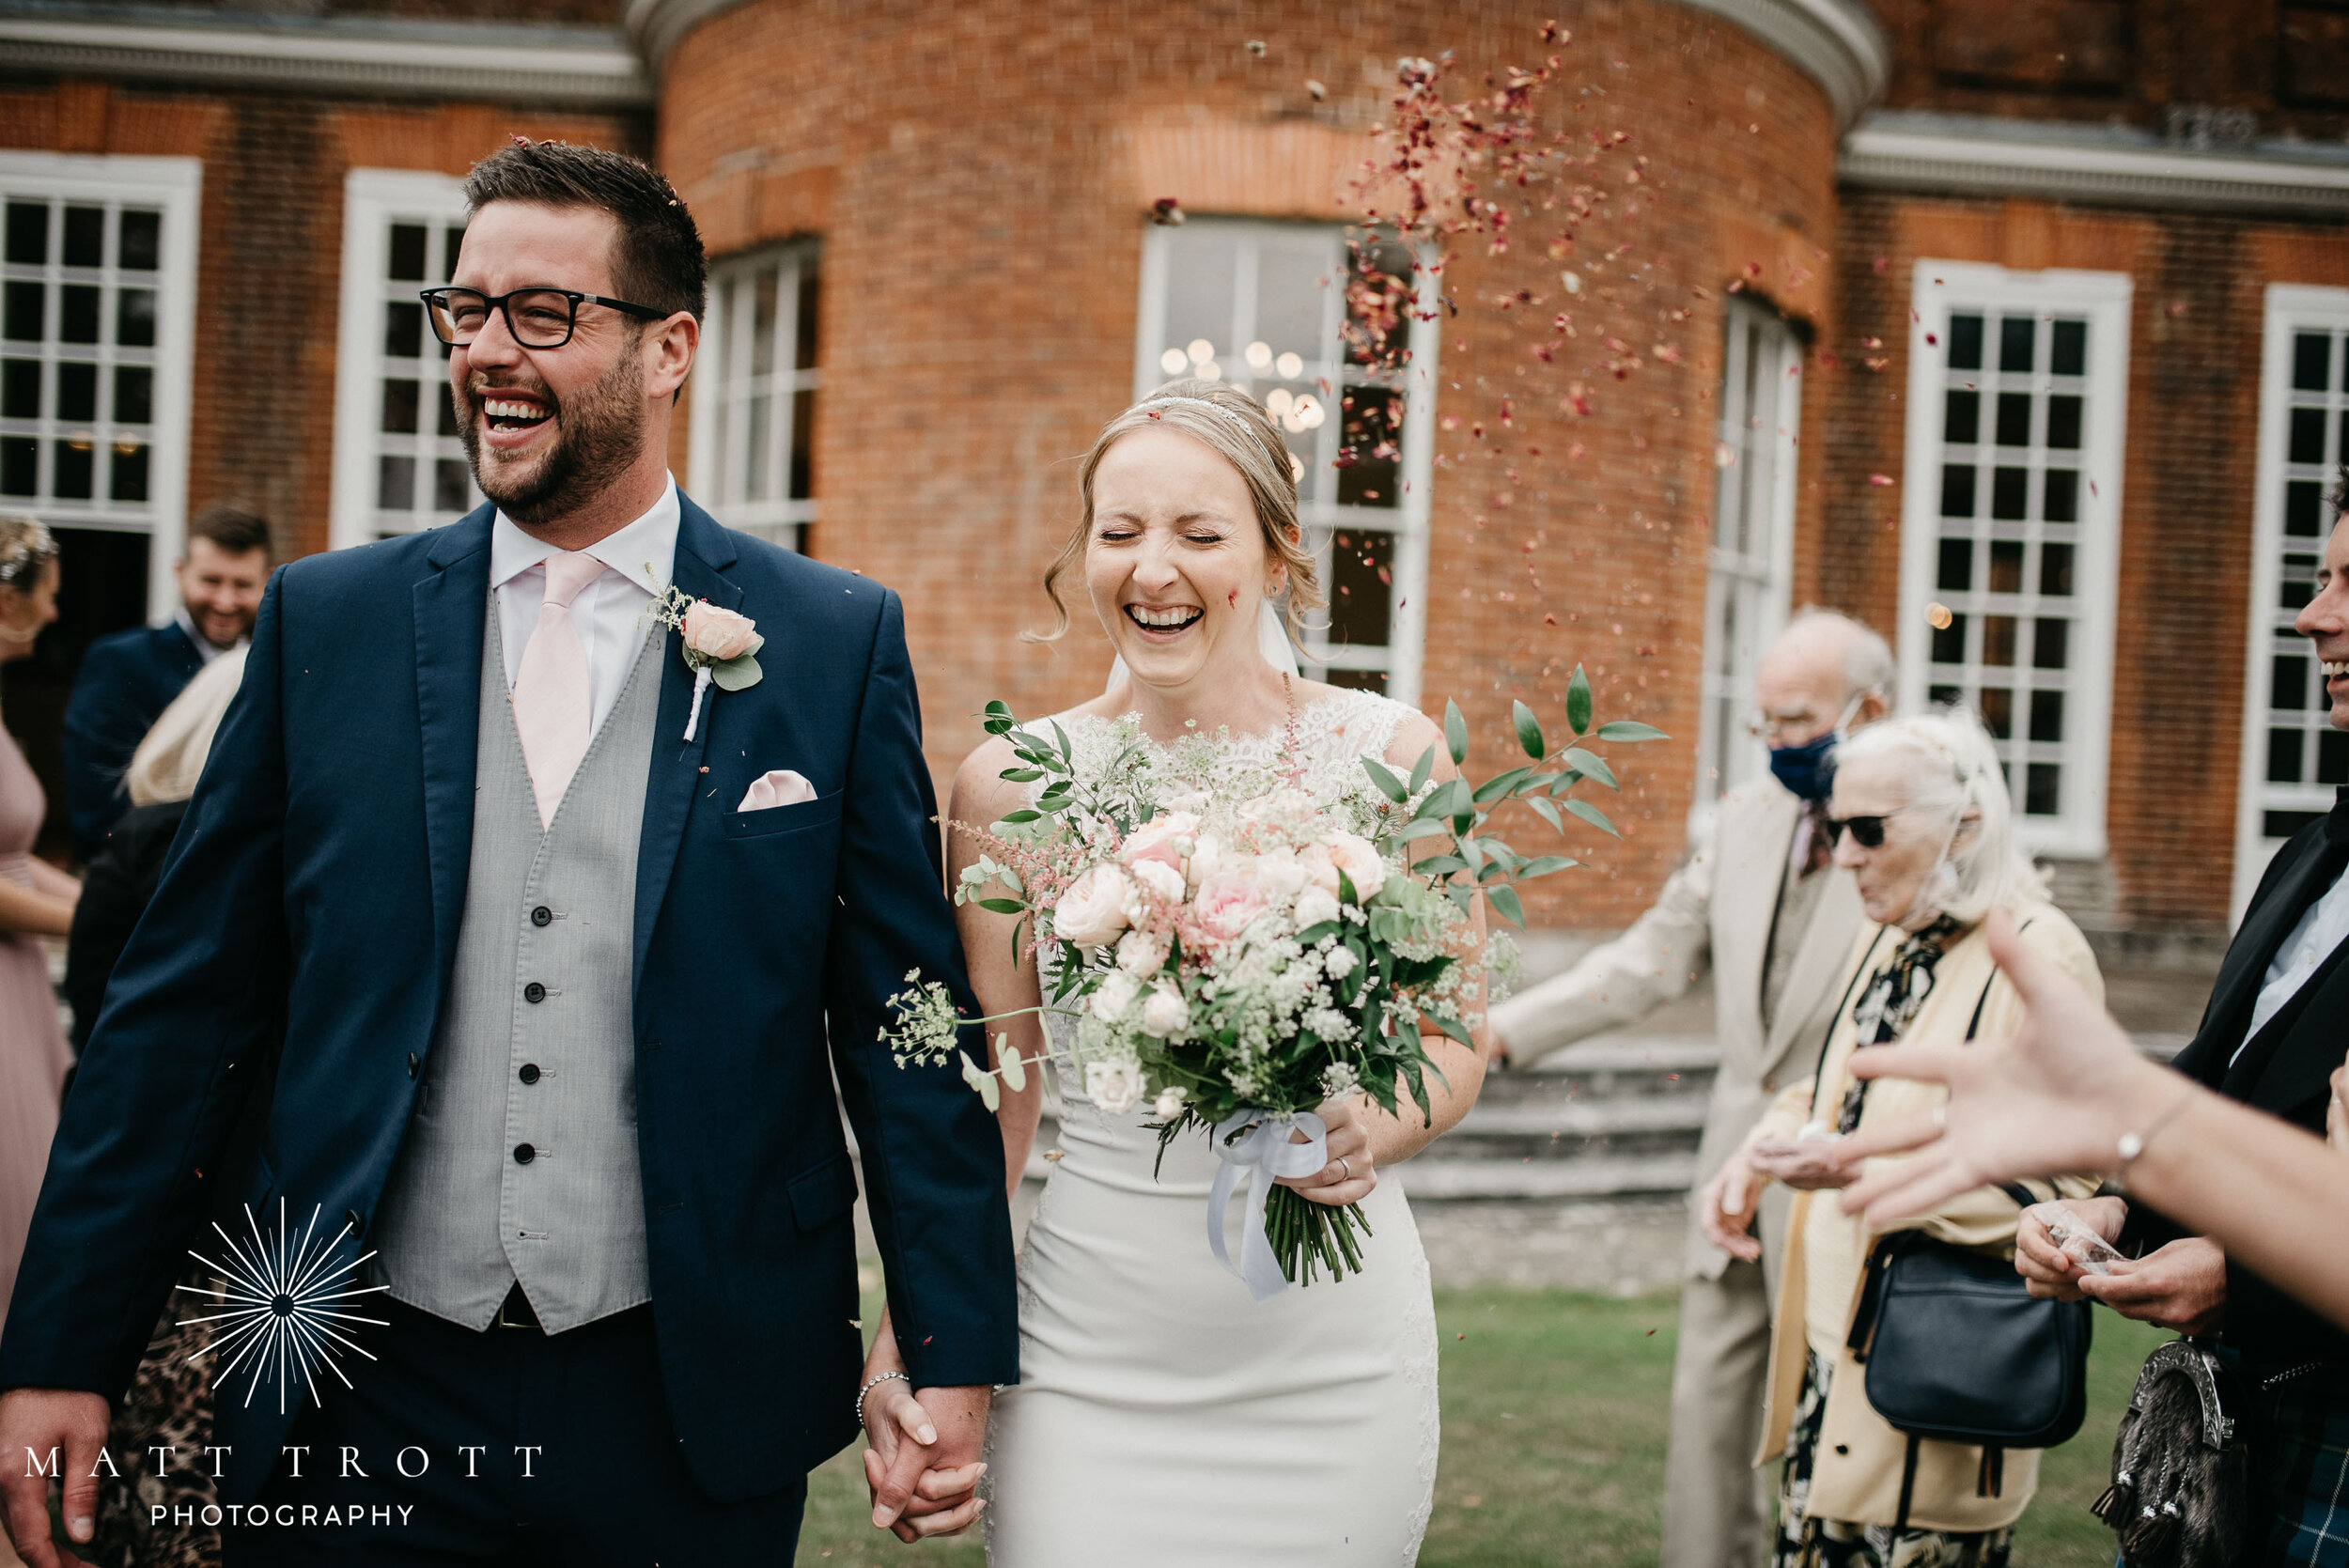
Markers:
point(542, 915)
point(529, 1072)
point(525, 1153)
point(534, 992)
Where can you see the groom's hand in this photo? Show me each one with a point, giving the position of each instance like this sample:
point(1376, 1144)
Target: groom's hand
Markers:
point(924, 1465)
point(36, 1423)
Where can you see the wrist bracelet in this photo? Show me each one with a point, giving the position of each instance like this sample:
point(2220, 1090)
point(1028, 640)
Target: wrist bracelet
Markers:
point(872, 1383)
point(2132, 1144)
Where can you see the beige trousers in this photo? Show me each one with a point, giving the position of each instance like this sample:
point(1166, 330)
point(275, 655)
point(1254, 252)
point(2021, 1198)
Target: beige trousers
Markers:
point(1719, 1509)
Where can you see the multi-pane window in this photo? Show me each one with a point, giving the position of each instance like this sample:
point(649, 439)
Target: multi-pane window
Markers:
point(96, 262)
point(754, 390)
point(2012, 517)
point(1264, 306)
point(399, 464)
point(1754, 530)
point(2293, 757)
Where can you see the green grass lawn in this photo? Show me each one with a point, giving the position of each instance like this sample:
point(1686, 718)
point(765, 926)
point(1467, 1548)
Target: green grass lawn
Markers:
point(1554, 1419)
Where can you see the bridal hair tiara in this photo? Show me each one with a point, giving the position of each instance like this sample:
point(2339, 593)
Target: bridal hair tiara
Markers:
point(1232, 414)
point(25, 544)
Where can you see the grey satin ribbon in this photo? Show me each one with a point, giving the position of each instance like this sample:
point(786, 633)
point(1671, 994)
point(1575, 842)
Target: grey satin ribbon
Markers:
point(1258, 1140)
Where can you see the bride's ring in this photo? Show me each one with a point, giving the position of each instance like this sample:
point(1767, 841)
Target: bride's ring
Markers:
point(1345, 1168)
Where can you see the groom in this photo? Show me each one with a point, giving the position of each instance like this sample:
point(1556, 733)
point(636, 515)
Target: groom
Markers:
point(552, 997)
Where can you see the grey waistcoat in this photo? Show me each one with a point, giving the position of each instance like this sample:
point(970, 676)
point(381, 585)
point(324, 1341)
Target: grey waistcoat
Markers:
point(520, 1162)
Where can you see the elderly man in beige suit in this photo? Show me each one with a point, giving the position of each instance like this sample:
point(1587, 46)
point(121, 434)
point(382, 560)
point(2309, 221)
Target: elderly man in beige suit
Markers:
point(1760, 899)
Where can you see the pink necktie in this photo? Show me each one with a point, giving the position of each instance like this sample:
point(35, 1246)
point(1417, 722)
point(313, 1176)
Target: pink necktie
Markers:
point(552, 707)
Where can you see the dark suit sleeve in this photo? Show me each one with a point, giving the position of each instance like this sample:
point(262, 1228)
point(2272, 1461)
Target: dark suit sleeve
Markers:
point(189, 1019)
point(104, 723)
point(932, 1155)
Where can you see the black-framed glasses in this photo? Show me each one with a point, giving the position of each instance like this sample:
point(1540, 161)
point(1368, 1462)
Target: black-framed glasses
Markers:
point(535, 317)
point(1868, 832)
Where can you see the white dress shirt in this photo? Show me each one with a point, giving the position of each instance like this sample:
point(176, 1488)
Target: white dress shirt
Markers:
point(2321, 928)
point(639, 563)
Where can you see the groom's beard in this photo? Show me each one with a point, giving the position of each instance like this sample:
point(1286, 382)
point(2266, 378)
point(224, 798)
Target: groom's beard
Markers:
point(598, 433)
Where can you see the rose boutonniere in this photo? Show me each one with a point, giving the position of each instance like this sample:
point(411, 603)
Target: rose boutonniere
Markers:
point(720, 646)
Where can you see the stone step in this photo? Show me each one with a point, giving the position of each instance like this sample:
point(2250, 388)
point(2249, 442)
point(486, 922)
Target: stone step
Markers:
point(1443, 1177)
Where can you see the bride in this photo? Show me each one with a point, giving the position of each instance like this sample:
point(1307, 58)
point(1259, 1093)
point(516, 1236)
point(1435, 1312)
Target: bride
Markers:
point(1163, 1417)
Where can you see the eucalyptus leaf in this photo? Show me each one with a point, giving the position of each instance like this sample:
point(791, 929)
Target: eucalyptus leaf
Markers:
point(1543, 865)
point(1003, 905)
point(1546, 812)
point(1422, 768)
point(1628, 730)
point(1015, 1071)
point(1528, 730)
point(1454, 732)
point(736, 673)
point(1578, 702)
point(1389, 786)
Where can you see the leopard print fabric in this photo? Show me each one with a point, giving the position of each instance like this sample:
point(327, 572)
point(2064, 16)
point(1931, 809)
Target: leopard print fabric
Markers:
point(169, 1405)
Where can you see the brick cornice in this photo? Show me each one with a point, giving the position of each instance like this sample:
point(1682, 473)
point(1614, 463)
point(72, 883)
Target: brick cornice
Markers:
point(1962, 155)
point(506, 62)
point(1837, 43)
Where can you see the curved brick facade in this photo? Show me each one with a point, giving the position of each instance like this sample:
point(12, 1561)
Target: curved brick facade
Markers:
point(981, 173)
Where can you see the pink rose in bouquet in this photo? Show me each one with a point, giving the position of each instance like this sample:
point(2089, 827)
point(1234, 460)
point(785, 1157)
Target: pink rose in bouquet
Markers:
point(1167, 839)
point(1228, 903)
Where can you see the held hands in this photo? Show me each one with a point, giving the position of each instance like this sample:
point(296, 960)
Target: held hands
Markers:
point(2047, 1269)
point(2182, 1287)
point(922, 1465)
point(1352, 1171)
point(1725, 1209)
point(34, 1421)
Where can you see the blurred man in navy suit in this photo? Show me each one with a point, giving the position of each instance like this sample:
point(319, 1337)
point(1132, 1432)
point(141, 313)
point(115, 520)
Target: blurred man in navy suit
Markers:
point(128, 679)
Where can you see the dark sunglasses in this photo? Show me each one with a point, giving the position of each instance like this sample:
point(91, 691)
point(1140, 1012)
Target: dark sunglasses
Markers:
point(1868, 832)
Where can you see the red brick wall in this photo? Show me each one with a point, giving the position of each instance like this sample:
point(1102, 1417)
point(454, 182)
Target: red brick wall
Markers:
point(2186, 491)
point(269, 263)
point(980, 173)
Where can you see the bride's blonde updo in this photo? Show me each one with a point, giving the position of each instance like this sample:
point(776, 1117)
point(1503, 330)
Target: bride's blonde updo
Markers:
point(1237, 427)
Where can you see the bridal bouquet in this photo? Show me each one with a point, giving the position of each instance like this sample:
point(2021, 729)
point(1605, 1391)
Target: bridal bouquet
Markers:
point(1235, 950)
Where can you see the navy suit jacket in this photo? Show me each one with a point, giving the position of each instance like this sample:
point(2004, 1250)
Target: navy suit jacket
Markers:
point(125, 682)
point(314, 896)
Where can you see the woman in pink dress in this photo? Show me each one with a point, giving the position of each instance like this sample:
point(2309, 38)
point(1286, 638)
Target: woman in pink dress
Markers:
point(36, 901)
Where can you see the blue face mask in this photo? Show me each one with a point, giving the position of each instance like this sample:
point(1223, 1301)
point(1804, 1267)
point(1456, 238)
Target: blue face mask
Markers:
point(1808, 769)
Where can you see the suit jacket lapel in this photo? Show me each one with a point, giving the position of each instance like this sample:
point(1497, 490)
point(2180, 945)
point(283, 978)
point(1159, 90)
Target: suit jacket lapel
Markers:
point(2245, 969)
point(703, 551)
point(452, 612)
point(1750, 867)
point(1826, 944)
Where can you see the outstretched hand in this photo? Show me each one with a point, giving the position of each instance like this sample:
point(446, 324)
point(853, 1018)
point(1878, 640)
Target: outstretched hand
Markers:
point(70, 1427)
point(2054, 1099)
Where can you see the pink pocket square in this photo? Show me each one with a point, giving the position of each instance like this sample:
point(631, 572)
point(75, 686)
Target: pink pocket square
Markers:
point(782, 788)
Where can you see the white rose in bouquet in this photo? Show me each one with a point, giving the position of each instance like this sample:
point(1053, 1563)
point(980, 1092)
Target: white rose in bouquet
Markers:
point(1116, 996)
point(1165, 1012)
point(1314, 906)
point(1160, 879)
point(1115, 1087)
point(1093, 909)
point(1207, 857)
point(1320, 868)
point(1142, 953)
point(1171, 1102)
point(1359, 858)
point(1280, 873)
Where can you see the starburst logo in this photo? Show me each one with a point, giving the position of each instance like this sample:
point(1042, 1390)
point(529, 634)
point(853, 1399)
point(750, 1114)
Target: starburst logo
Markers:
point(285, 1303)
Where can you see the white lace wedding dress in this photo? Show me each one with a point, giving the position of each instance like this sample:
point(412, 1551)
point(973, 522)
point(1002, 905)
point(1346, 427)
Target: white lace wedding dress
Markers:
point(1163, 1418)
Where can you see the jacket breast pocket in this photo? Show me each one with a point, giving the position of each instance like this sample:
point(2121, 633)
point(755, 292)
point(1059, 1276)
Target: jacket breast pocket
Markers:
point(776, 821)
point(822, 1195)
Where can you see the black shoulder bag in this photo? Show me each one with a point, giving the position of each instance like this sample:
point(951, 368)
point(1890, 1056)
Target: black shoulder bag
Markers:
point(1958, 1351)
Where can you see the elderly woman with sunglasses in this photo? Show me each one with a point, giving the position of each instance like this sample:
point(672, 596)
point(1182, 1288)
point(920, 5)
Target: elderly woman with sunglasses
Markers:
point(1921, 815)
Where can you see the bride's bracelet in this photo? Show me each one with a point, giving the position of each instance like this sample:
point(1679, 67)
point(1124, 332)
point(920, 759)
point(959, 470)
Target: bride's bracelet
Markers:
point(872, 1383)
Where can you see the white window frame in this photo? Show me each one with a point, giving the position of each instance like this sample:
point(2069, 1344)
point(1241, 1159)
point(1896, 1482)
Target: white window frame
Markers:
point(373, 199)
point(1760, 581)
point(1408, 521)
point(723, 393)
point(2290, 309)
point(176, 187)
point(1939, 289)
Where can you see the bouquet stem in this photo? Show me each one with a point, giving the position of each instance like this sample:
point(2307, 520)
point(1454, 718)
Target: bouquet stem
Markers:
point(1305, 1234)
